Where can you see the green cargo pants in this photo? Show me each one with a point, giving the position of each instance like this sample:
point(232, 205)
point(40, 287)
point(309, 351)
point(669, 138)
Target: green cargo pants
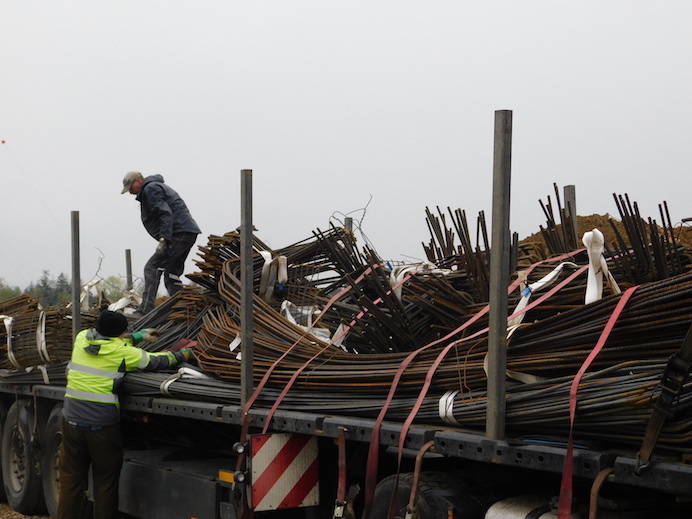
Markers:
point(103, 450)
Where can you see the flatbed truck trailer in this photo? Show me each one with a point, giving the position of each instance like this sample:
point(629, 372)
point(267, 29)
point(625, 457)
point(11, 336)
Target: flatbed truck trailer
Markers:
point(181, 455)
point(179, 463)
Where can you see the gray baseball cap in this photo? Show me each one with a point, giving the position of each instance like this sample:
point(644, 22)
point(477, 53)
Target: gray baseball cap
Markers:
point(129, 179)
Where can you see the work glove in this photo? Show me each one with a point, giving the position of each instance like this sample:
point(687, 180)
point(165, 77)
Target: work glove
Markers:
point(146, 334)
point(161, 247)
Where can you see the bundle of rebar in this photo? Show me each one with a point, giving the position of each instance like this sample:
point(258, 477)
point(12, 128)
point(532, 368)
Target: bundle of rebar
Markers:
point(33, 336)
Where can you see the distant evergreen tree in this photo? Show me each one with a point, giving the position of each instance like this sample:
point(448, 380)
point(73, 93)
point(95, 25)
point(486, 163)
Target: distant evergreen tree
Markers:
point(49, 291)
point(8, 292)
point(63, 289)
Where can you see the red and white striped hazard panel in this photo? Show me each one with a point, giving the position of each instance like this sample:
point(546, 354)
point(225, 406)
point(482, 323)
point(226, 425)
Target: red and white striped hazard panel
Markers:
point(285, 472)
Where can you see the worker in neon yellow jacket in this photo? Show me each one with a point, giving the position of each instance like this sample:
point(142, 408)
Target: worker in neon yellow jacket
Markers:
point(91, 412)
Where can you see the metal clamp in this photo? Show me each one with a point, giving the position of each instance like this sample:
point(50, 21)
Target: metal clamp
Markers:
point(674, 378)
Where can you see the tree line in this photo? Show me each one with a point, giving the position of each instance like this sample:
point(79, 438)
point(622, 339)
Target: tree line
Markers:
point(52, 291)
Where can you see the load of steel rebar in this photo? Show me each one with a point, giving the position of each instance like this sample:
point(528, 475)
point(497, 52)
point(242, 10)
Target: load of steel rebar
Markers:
point(336, 324)
point(34, 336)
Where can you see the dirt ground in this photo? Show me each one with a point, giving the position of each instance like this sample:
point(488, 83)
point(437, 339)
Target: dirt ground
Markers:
point(7, 513)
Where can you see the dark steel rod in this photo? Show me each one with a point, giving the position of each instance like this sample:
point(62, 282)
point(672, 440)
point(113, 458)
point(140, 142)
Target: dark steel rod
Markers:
point(128, 269)
point(499, 276)
point(246, 293)
point(570, 195)
point(76, 276)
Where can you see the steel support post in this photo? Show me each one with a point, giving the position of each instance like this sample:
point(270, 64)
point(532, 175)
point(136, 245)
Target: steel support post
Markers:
point(128, 269)
point(246, 294)
point(499, 276)
point(570, 196)
point(348, 224)
point(76, 276)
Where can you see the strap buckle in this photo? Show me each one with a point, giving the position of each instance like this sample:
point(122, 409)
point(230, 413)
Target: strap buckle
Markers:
point(674, 377)
point(339, 508)
point(641, 466)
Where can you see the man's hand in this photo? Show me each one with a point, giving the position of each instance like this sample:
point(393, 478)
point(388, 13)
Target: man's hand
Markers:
point(161, 247)
point(186, 353)
point(146, 334)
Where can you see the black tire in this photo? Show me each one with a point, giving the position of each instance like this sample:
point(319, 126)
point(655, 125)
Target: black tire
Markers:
point(3, 417)
point(438, 493)
point(21, 467)
point(51, 440)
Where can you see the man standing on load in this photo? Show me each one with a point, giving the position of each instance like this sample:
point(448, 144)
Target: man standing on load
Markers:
point(91, 412)
point(168, 220)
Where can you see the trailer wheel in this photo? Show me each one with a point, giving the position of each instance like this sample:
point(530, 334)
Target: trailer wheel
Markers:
point(50, 459)
point(438, 493)
point(21, 470)
point(3, 416)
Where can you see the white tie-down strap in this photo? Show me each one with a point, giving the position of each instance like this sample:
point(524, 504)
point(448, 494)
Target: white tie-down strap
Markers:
point(183, 373)
point(96, 284)
point(264, 276)
point(525, 378)
point(130, 299)
point(43, 370)
point(273, 270)
point(41, 345)
point(234, 345)
point(446, 407)
point(399, 273)
point(594, 243)
point(339, 336)
point(527, 291)
point(294, 313)
point(8, 320)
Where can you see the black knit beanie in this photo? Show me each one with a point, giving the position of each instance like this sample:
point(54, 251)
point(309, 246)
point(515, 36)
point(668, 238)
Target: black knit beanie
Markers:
point(111, 324)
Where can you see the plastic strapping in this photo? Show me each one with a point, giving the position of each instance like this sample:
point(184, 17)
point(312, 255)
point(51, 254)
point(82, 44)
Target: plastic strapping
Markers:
point(182, 373)
point(8, 320)
point(264, 277)
point(598, 267)
point(528, 291)
point(44, 372)
point(41, 345)
point(167, 383)
point(446, 407)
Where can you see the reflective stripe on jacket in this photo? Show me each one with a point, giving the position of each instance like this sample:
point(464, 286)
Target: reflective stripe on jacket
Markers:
point(95, 374)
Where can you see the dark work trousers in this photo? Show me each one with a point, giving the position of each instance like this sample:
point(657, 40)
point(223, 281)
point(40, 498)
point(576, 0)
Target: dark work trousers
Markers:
point(170, 262)
point(103, 450)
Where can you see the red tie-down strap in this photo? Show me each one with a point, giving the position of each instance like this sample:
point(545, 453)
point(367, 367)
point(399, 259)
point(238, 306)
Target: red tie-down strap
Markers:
point(564, 510)
point(373, 452)
point(245, 416)
point(299, 371)
point(431, 371)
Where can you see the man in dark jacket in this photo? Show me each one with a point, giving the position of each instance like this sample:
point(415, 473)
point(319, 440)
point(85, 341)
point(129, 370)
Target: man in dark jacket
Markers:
point(167, 219)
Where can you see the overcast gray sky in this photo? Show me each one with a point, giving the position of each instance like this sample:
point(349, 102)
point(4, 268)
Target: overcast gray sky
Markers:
point(329, 102)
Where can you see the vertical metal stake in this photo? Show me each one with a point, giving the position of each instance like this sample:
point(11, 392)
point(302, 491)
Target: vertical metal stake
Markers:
point(246, 289)
point(499, 276)
point(348, 224)
point(570, 196)
point(128, 269)
point(76, 276)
